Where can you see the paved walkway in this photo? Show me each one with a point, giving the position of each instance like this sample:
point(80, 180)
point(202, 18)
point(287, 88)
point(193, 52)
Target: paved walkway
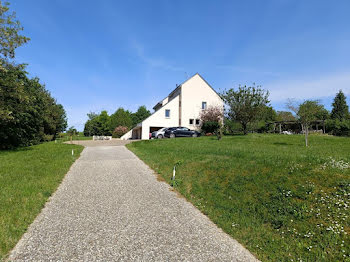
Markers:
point(110, 207)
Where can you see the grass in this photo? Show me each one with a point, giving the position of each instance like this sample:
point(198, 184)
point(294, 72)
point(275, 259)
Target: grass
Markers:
point(66, 138)
point(28, 177)
point(281, 200)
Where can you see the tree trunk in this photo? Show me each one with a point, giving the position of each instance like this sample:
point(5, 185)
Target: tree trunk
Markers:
point(245, 131)
point(306, 134)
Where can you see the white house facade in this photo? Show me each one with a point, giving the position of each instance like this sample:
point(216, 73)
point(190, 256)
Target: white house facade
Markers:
point(182, 107)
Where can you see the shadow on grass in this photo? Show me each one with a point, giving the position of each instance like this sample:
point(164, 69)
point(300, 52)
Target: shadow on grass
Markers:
point(282, 144)
point(18, 149)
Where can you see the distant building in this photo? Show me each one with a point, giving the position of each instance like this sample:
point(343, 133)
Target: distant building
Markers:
point(181, 107)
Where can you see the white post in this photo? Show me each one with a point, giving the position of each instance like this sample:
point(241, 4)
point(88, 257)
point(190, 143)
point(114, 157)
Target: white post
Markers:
point(72, 152)
point(174, 171)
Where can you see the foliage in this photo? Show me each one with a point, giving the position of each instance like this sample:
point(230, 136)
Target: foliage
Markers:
point(210, 126)
point(119, 131)
point(121, 117)
point(72, 131)
point(10, 37)
point(340, 109)
point(211, 119)
point(282, 201)
point(28, 176)
point(103, 124)
point(211, 114)
point(338, 127)
point(245, 104)
point(99, 125)
point(285, 116)
point(141, 114)
point(28, 113)
point(308, 112)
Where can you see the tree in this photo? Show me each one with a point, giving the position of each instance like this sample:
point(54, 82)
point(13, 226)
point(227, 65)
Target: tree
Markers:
point(103, 121)
point(98, 125)
point(119, 131)
point(120, 117)
point(212, 119)
point(72, 131)
point(92, 115)
point(307, 113)
point(246, 104)
point(10, 28)
point(28, 113)
point(285, 116)
point(141, 114)
point(340, 109)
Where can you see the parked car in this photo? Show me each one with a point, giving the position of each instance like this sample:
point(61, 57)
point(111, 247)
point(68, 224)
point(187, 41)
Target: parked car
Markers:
point(180, 132)
point(159, 133)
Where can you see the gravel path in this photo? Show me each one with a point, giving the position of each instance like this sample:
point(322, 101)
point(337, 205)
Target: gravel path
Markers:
point(110, 207)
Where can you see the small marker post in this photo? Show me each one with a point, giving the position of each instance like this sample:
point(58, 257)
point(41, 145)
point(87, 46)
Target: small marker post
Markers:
point(72, 152)
point(174, 171)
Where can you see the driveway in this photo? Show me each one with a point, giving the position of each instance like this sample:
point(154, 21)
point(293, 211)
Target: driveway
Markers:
point(110, 207)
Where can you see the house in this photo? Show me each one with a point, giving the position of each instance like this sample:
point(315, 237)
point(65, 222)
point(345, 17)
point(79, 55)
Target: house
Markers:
point(182, 107)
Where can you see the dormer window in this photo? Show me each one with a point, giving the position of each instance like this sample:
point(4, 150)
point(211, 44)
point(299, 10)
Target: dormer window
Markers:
point(167, 113)
point(204, 105)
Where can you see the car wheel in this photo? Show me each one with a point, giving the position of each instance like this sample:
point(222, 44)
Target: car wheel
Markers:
point(172, 135)
point(159, 136)
point(194, 135)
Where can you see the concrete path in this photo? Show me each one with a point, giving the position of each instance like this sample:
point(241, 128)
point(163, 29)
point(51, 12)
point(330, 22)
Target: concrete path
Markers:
point(110, 207)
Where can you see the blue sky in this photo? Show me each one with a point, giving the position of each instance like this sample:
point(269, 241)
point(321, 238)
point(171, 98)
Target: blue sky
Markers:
point(100, 55)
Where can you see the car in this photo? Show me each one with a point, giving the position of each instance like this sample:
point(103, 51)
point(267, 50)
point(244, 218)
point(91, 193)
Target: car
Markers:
point(159, 133)
point(180, 132)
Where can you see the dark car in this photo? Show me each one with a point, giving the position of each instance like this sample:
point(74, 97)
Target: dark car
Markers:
point(180, 132)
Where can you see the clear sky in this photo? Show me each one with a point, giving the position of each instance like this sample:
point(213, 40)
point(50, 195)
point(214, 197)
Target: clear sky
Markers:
point(100, 55)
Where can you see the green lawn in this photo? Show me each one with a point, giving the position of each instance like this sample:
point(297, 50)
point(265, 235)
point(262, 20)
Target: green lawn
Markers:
point(66, 138)
point(28, 176)
point(281, 200)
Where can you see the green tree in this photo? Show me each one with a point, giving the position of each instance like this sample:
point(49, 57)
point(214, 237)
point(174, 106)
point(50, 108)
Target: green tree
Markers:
point(285, 116)
point(103, 121)
point(28, 113)
point(340, 109)
point(141, 114)
point(10, 28)
point(98, 125)
point(72, 131)
point(307, 113)
point(246, 104)
point(120, 117)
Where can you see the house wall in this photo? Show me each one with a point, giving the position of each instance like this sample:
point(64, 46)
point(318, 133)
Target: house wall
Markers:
point(158, 119)
point(194, 92)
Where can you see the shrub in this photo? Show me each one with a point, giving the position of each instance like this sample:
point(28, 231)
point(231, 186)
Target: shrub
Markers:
point(210, 127)
point(119, 131)
point(338, 127)
point(211, 119)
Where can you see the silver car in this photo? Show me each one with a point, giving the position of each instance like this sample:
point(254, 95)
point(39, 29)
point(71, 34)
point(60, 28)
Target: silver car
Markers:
point(159, 133)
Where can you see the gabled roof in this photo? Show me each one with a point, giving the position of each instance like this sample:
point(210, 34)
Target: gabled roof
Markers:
point(178, 86)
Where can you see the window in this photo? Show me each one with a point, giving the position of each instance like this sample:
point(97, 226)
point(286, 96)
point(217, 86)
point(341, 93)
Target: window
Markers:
point(191, 121)
point(197, 122)
point(204, 105)
point(167, 113)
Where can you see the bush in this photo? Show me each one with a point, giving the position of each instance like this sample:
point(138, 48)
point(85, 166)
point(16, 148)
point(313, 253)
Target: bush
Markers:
point(210, 127)
point(119, 131)
point(338, 127)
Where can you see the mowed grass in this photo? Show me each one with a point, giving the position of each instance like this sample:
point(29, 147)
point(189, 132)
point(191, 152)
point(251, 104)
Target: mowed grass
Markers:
point(28, 176)
point(281, 200)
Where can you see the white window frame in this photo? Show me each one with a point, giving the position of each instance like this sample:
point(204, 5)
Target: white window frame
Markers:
point(167, 110)
point(204, 103)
